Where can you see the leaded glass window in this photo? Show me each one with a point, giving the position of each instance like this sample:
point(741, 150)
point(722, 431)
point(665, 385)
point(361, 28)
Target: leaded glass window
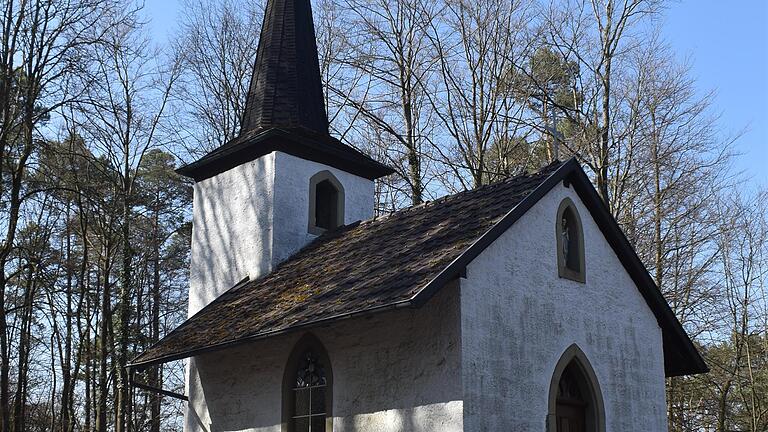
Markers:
point(311, 385)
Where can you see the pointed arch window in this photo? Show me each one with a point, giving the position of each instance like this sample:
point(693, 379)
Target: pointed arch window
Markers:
point(307, 388)
point(326, 203)
point(570, 242)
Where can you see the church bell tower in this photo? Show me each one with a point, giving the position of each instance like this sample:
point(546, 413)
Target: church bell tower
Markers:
point(284, 180)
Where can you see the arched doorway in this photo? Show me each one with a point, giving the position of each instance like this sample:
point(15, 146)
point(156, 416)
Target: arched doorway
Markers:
point(575, 401)
point(571, 403)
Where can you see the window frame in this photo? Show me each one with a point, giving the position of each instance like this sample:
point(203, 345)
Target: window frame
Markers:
point(563, 270)
point(340, 200)
point(308, 342)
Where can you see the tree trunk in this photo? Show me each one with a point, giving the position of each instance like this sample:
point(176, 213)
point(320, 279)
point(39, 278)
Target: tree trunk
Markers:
point(5, 364)
point(103, 344)
point(155, 377)
point(20, 398)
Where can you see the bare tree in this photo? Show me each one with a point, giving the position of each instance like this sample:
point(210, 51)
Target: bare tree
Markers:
point(41, 43)
point(391, 49)
point(125, 103)
point(477, 44)
point(216, 47)
point(574, 28)
point(739, 358)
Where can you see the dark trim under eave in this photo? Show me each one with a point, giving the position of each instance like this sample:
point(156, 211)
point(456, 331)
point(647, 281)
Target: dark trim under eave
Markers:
point(325, 150)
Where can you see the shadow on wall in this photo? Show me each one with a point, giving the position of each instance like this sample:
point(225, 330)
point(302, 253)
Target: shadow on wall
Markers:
point(395, 371)
point(232, 229)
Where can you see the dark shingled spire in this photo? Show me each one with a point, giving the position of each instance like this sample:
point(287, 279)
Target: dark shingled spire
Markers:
point(285, 110)
point(285, 88)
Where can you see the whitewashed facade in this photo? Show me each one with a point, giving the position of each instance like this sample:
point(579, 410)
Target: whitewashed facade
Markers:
point(255, 215)
point(538, 326)
point(479, 356)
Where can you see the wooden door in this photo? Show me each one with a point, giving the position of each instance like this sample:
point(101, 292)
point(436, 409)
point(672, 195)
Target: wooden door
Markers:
point(571, 409)
point(570, 417)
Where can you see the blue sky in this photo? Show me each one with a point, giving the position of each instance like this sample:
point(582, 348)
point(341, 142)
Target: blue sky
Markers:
point(726, 43)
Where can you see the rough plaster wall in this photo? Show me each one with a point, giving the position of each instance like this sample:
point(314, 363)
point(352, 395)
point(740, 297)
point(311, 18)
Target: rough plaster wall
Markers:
point(292, 176)
point(397, 371)
point(231, 231)
point(233, 234)
point(518, 317)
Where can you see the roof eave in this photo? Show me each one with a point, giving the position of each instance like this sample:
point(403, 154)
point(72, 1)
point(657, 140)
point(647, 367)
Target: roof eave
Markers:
point(139, 364)
point(277, 139)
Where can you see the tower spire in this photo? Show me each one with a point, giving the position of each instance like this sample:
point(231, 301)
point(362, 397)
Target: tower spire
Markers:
point(285, 109)
point(286, 90)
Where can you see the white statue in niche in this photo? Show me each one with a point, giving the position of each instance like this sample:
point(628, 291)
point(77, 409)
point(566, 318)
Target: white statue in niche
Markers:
point(565, 232)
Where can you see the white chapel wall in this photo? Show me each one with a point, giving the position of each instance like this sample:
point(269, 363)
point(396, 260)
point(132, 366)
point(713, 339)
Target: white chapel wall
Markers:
point(394, 371)
point(231, 229)
point(292, 175)
point(252, 217)
point(518, 317)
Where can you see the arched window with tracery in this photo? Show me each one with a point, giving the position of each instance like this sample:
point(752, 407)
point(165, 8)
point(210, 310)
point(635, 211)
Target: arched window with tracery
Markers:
point(570, 242)
point(307, 388)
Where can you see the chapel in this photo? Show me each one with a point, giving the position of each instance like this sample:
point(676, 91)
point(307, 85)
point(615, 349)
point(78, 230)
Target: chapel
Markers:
point(517, 306)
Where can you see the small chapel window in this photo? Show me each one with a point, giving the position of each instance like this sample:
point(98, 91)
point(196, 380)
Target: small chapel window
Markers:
point(326, 203)
point(570, 243)
point(309, 395)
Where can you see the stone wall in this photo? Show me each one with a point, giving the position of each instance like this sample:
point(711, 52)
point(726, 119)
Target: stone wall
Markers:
point(396, 371)
point(251, 217)
point(518, 317)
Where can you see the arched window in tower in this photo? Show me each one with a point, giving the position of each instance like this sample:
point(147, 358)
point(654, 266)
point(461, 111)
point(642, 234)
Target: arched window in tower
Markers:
point(326, 203)
point(570, 242)
point(307, 388)
point(326, 198)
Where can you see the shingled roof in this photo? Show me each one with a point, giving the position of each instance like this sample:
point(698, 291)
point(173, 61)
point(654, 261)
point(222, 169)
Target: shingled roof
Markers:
point(285, 108)
point(401, 261)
